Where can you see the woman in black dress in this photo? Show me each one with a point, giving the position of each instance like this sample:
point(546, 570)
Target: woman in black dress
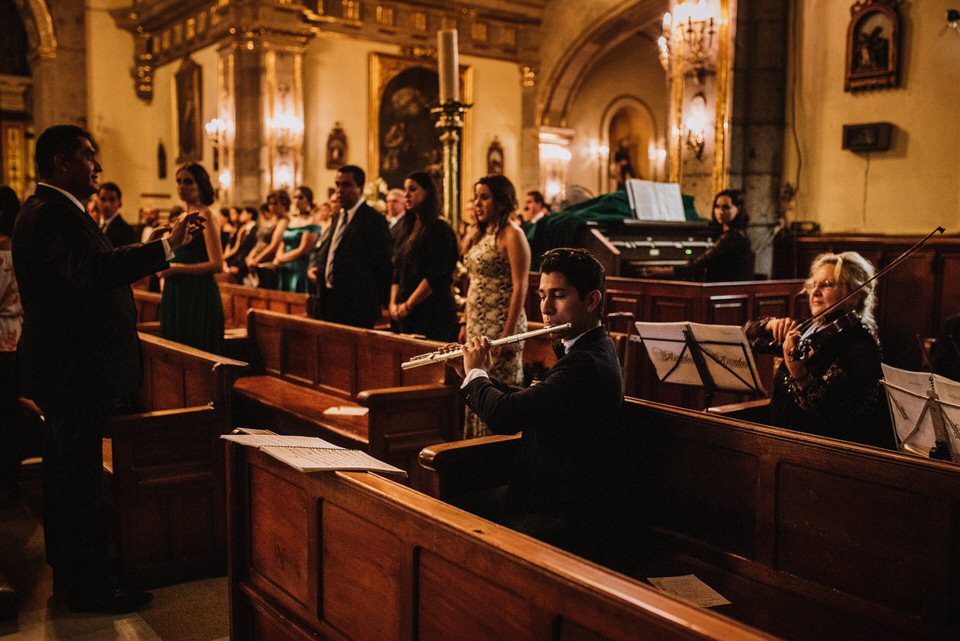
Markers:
point(731, 257)
point(421, 298)
point(835, 390)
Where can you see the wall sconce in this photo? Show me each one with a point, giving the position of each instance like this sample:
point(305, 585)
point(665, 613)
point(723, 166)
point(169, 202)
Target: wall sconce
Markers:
point(687, 36)
point(220, 132)
point(286, 131)
point(696, 125)
point(555, 156)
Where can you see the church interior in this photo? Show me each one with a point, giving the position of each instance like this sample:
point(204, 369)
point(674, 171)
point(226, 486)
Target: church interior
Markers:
point(827, 115)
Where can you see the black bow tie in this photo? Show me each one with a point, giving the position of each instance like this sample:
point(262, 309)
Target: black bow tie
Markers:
point(559, 350)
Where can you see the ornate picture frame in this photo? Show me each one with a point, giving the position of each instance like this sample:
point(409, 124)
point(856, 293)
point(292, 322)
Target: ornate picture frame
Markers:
point(403, 137)
point(336, 147)
point(189, 111)
point(873, 46)
point(495, 158)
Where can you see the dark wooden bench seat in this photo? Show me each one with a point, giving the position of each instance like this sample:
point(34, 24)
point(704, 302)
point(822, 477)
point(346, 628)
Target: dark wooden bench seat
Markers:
point(354, 557)
point(305, 366)
point(164, 466)
point(809, 537)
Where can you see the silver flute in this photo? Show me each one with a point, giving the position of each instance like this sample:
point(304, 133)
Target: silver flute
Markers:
point(439, 355)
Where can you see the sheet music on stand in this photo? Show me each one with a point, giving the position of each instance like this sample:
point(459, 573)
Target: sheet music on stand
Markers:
point(714, 357)
point(655, 201)
point(922, 404)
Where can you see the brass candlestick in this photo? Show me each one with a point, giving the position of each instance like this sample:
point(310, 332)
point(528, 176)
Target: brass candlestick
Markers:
point(449, 116)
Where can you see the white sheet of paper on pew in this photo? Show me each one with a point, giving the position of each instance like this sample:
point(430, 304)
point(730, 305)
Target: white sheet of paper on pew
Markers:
point(690, 589)
point(312, 454)
point(346, 410)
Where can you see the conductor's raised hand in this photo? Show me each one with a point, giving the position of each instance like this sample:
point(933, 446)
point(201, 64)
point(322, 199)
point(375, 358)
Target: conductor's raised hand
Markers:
point(185, 228)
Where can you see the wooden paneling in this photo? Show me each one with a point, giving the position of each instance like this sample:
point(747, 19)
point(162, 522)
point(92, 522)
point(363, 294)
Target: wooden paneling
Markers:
point(914, 299)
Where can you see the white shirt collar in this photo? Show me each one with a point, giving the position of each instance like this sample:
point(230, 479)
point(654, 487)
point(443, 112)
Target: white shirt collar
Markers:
point(351, 211)
point(74, 199)
point(568, 343)
point(107, 222)
point(539, 215)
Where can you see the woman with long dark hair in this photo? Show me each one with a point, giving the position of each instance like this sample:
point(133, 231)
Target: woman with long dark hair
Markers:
point(421, 296)
point(191, 311)
point(497, 257)
point(731, 257)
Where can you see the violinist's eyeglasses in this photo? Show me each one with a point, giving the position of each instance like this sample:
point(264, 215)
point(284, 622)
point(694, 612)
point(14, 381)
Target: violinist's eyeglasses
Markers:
point(812, 285)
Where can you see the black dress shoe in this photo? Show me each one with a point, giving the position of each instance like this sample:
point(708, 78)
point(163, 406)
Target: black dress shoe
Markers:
point(110, 601)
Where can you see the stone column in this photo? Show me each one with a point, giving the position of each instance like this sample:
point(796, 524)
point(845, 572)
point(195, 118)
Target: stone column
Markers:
point(529, 178)
point(263, 94)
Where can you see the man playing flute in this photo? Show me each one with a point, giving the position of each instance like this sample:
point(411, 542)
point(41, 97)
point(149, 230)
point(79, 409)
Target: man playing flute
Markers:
point(556, 488)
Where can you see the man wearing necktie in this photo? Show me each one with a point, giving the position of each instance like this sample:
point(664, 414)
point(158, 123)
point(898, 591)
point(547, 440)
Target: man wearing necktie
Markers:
point(556, 492)
point(352, 267)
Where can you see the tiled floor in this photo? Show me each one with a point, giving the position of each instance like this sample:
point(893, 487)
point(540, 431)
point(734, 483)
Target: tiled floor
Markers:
point(196, 611)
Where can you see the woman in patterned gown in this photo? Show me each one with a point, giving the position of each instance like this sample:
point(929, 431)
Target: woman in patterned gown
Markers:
point(497, 257)
point(191, 311)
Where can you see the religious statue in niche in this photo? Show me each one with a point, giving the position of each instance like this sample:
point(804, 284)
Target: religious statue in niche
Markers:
point(621, 169)
point(189, 111)
point(873, 45)
point(336, 147)
point(495, 158)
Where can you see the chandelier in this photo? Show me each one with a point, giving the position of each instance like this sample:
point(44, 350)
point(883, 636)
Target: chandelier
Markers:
point(687, 39)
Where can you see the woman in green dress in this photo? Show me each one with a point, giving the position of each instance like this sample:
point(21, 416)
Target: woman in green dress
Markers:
point(191, 311)
point(298, 240)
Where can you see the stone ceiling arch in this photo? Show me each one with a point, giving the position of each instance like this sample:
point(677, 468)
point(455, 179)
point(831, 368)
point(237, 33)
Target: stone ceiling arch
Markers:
point(617, 23)
point(39, 27)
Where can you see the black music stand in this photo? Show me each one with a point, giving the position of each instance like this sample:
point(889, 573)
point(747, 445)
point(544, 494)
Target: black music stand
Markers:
point(712, 357)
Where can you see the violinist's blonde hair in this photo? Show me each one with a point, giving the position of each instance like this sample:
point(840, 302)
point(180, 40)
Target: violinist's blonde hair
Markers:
point(854, 270)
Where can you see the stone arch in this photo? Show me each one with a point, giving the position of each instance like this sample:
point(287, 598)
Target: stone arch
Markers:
point(38, 23)
point(611, 28)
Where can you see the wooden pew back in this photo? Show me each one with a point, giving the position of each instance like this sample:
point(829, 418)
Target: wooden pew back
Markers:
point(238, 299)
point(337, 359)
point(868, 535)
point(354, 556)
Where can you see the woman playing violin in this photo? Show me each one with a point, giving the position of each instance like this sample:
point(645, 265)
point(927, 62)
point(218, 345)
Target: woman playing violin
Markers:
point(828, 383)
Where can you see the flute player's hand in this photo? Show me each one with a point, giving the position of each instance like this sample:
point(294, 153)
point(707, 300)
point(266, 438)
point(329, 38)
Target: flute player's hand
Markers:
point(454, 363)
point(476, 353)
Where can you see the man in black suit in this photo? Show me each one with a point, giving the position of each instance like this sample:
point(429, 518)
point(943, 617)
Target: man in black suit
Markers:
point(556, 491)
point(112, 224)
point(79, 354)
point(352, 267)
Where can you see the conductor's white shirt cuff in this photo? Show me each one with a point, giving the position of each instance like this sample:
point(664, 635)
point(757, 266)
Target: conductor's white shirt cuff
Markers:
point(166, 249)
point(476, 372)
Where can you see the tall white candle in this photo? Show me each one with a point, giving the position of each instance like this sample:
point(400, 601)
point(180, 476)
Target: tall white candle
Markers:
point(449, 65)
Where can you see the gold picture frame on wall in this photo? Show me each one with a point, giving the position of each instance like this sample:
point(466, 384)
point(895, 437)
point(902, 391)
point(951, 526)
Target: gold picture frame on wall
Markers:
point(873, 46)
point(189, 111)
point(404, 137)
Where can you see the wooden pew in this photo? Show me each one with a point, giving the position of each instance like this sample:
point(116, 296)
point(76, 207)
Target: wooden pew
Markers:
point(238, 299)
point(354, 557)
point(306, 366)
point(164, 466)
point(807, 536)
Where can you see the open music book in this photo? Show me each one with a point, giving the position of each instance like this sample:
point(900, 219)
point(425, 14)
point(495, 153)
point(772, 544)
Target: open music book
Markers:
point(655, 201)
point(311, 454)
point(727, 361)
point(924, 409)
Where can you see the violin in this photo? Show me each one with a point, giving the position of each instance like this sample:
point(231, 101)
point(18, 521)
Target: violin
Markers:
point(822, 331)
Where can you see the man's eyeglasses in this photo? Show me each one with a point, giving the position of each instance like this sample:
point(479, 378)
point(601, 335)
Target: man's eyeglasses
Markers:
point(812, 285)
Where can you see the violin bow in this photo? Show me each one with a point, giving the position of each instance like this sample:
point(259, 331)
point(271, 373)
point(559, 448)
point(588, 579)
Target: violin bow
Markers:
point(896, 261)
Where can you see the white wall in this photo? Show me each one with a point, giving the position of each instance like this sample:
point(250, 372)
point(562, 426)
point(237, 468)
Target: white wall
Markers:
point(914, 186)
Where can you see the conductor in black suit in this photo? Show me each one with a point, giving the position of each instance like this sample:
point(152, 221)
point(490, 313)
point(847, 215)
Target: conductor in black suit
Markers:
point(556, 489)
point(79, 354)
point(352, 268)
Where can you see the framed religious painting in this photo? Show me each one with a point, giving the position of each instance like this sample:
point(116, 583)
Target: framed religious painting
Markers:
point(189, 111)
point(873, 46)
point(405, 139)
